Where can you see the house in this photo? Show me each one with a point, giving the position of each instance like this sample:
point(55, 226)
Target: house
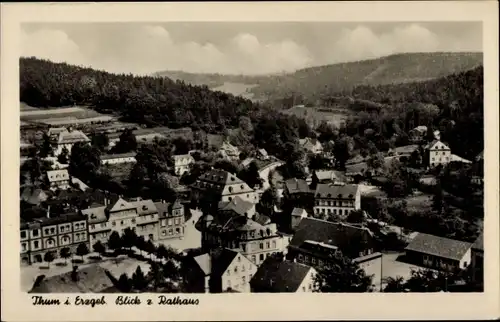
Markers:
point(311, 145)
point(79, 184)
point(91, 279)
point(219, 270)
point(256, 237)
point(328, 176)
point(128, 157)
point(34, 196)
point(477, 260)
point(417, 134)
point(182, 164)
point(58, 179)
point(230, 151)
point(277, 276)
point(219, 185)
point(405, 150)
point(245, 163)
point(262, 154)
point(336, 200)
point(54, 132)
point(439, 252)
point(436, 153)
point(51, 234)
point(297, 215)
point(171, 220)
point(297, 189)
point(238, 206)
point(67, 138)
point(316, 240)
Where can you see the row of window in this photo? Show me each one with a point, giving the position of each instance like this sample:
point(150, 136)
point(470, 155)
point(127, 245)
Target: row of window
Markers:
point(262, 257)
point(170, 221)
point(52, 230)
point(329, 211)
point(441, 159)
point(335, 203)
point(237, 286)
point(170, 232)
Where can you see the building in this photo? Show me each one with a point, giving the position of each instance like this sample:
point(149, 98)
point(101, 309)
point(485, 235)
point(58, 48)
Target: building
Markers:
point(238, 206)
point(405, 150)
point(297, 215)
point(68, 138)
point(336, 200)
point(256, 237)
point(91, 279)
point(58, 179)
point(316, 240)
point(220, 270)
point(477, 260)
point(34, 196)
point(297, 189)
point(51, 234)
point(278, 276)
point(439, 252)
point(328, 176)
point(99, 227)
point(171, 220)
point(417, 134)
point(120, 158)
point(219, 185)
point(311, 145)
point(436, 153)
point(262, 154)
point(230, 151)
point(182, 164)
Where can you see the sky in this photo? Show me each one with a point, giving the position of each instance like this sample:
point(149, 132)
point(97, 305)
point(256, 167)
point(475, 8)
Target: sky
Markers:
point(238, 47)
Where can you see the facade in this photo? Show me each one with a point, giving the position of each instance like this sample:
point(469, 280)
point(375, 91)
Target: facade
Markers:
point(316, 240)
point(477, 260)
point(417, 134)
point(58, 179)
point(256, 237)
point(278, 276)
point(51, 235)
point(219, 185)
point(439, 252)
point(297, 189)
point(171, 220)
point(220, 270)
point(437, 153)
point(68, 138)
point(182, 163)
point(337, 201)
point(311, 145)
point(120, 158)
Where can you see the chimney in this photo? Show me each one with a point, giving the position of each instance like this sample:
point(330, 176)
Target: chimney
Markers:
point(48, 211)
point(74, 274)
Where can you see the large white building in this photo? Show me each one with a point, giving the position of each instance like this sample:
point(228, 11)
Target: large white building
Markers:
point(437, 153)
point(337, 200)
point(67, 138)
point(182, 163)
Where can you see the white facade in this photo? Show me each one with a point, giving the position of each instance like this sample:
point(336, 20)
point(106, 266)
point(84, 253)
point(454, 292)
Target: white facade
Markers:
point(439, 153)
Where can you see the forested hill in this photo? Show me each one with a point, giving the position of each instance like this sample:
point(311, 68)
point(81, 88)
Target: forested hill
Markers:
point(145, 100)
point(311, 83)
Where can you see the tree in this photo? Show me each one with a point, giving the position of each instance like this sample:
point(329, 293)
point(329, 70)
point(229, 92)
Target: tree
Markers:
point(49, 257)
point(63, 156)
point(65, 253)
point(251, 175)
point(126, 143)
point(46, 148)
point(150, 248)
point(395, 285)
point(342, 275)
point(99, 247)
point(124, 284)
point(129, 238)
point(82, 250)
point(438, 202)
point(100, 141)
point(139, 281)
point(115, 242)
point(356, 216)
point(342, 151)
point(427, 280)
point(84, 161)
point(141, 243)
point(376, 161)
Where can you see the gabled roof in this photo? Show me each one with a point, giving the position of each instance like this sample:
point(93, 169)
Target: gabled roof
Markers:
point(165, 208)
point(247, 162)
point(344, 191)
point(118, 155)
point(120, 205)
point(91, 279)
point(216, 262)
point(145, 207)
point(432, 145)
point(479, 243)
point(96, 214)
point(229, 148)
point(295, 185)
point(33, 196)
point(299, 212)
point(421, 128)
point(72, 137)
point(237, 205)
point(322, 231)
point(220, 177)
point(57, 175)
point(204, 262)
point(66, 218)
point(261, 219)
point(439, 246)
point(276, 276)
point(329, 175)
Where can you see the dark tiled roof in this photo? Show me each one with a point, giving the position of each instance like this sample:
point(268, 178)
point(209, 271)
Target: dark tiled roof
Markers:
point(145, 207)
point(165, 208)
point(321, 231)
point(220, 177)
point(95, 214)
point(66, 218)
point(92, 279)
point(261, 219)
point(216, 262)
point(295, 185)
point(117, 156)
point(439, 246)
point(325, 190)
point(329, 175)
point(237, 205)
point(33, 196)
point(276, 276)
point(479, 243)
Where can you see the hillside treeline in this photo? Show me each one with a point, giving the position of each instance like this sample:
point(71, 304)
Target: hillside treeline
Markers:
point(152, 101)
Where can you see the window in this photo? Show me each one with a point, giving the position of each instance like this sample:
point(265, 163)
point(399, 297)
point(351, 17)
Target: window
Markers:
point(177, 221)
point(465, 264)
point(52, 230)
point(236, 269)
point(306, 258)
point(169, 221)
point(77, 226)
point(303, 288)
point(46, 231)
point(274, 244)
point(340, 212)
point(301, 257)
point(313, 260)
point(103, 225)
point(121, 222)
point(163, 233)
point(35, 233)
point(113, 223)
point(177, 230)
point(243, 268)
point(228, 283)
point(261, 257)
point(23, 245)
point(268, 245)
point(254, 259)
point(36, 244)
point(170, 231)
point(133, 220)
point(243, 247)
point(23, 234)
point(261, 245)
point(239, 259)
point(62, 228)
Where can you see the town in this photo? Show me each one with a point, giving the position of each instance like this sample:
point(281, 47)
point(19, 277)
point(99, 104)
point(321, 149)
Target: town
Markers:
point(144, 184)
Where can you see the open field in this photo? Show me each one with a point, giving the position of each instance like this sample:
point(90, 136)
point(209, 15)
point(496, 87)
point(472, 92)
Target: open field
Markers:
point(419, 202)
point(118, 171)
point(63, 115)
point(237, 89)
point(315, 115)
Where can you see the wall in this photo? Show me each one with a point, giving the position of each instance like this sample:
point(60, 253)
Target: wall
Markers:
point(238, 274)
point(307, 284)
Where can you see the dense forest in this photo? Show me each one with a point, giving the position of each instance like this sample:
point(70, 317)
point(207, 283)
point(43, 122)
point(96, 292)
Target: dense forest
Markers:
point(152, 101)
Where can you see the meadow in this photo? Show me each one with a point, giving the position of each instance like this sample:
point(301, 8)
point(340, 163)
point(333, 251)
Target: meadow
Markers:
point(62, 115)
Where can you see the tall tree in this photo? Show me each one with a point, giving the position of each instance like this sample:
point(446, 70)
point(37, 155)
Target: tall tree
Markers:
point(46, 148)
point(99, 248)
point(65, 253)
point(82, 250)
point(49, 257)
point(115, 242)
point(100, 141)
point(63, 156)
point(124, 283)
point(139, 281)
point(126, 143)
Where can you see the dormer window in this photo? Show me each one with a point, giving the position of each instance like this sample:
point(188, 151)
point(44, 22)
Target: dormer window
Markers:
point(242, 187)
point(340, 196)
point(351, 196)
point(329, 195)
point(144, 207)
point(230, 189)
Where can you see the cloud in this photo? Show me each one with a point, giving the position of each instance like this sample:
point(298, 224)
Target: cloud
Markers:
point(150, 48)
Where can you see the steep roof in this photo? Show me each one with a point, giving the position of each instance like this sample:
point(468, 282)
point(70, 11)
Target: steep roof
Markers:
point(120, 205)
point(344, 191)
point(329, 175)
point(33, 196)
point(479, 243)
point(432, 145)
point(439, 246)
point(420, 128)
point(145, 207)
point(295, 185)
point(238, 205)
point(165, 208)
point(204, 262)
point(276, 276)
point(332, 233)
point(72, 137)
point(220, 177)
point(263, 152)
point(57, 175)
point(299, 212)
point(95, 214)
point(216, 262)
point(91, 279)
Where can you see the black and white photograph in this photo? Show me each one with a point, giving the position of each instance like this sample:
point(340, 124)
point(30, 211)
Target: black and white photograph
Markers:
point(212, 157)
